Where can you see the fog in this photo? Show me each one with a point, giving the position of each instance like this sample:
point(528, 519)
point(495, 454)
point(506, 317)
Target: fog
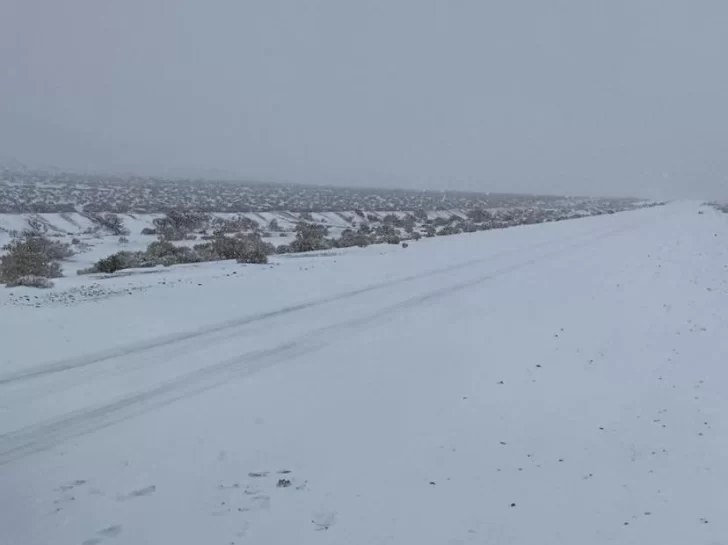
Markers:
point(579, 97)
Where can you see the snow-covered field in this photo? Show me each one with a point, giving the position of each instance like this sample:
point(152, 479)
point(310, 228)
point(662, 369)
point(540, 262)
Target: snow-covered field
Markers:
point(562, 383)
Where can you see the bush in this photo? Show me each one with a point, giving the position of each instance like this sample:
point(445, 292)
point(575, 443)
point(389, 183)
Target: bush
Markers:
point(149, 231)
point(123, 240)
point(479, 215)
point(310, 237)
point(177, 224)
point(36, 227)
point(31, 281)
point(32, 255)
point(56, 249)
point(235, 225)
point(117, 262)
point(449, 230)
point(351, 238)
point(243, 248)
point(111, 222)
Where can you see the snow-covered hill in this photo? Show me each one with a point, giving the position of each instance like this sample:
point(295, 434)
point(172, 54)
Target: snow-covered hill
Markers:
point(560, 383)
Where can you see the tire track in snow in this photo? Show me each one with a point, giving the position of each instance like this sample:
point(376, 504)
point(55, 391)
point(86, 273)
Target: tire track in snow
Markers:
point(20, 443)
point(231, 325)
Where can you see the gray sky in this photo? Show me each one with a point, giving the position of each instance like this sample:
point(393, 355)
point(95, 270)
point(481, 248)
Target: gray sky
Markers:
point(560, 96)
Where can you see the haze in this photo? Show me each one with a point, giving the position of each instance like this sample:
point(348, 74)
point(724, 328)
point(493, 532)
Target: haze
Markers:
point(580, 97)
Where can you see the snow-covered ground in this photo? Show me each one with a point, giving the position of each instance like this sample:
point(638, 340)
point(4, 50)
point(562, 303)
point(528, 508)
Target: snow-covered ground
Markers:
point(552, 384)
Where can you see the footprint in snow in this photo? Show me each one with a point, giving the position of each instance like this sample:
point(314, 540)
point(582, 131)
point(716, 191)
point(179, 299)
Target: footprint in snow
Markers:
point(70, 486)
point(324, 520)
point(111, 531)
point(139, 493)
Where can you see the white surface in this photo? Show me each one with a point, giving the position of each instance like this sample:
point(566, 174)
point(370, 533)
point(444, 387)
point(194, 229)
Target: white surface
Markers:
point(574, 369)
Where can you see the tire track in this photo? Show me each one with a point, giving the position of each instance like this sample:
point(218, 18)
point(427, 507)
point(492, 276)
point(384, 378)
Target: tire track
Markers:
point(35, 438)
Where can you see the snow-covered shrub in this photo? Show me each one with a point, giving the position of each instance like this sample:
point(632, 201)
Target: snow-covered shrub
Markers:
point(177, 224)
point(32, 255)
point(351, 238)
point(111, 222)
point(310, 237)
point(234, 225)
point(117, 262)
point(248, 248)
point(31, 281)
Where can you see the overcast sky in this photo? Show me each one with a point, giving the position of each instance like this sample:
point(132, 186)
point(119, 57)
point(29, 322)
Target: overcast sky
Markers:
point(558, 96)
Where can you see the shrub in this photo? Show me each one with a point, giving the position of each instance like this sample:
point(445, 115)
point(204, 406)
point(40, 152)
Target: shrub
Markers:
point(479, 215)
point(177, 224)
point(36, 227)
point(111, 222)
point(243, 248)
point(235, 225)
point(117, 262)
point(57, 250)
point(449, 230)
point(310, 237)
point(149, 231)
point(123, 240)
point(32, 255)
point(351, 238)
point(31, 281)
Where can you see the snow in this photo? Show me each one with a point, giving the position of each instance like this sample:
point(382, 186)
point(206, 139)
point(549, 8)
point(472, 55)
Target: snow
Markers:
point(560, 383)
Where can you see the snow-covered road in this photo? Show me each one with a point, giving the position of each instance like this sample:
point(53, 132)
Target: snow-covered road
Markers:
point(554, 384)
